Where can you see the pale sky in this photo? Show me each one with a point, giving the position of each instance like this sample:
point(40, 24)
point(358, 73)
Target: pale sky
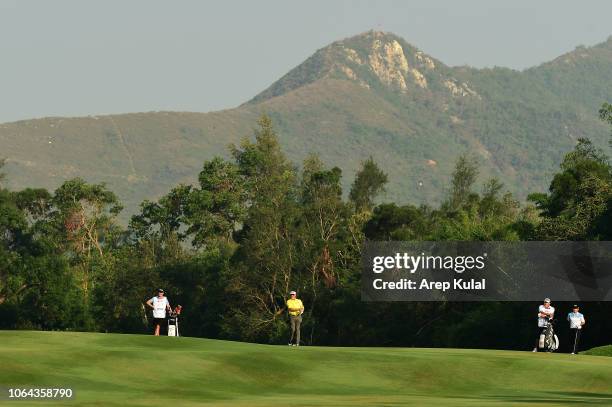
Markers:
point(76, 57)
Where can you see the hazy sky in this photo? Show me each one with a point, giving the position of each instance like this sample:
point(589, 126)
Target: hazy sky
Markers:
point(83, 57)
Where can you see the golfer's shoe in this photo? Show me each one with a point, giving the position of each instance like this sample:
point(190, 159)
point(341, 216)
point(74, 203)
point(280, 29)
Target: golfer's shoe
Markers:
point(535, 350)
point(290, 344)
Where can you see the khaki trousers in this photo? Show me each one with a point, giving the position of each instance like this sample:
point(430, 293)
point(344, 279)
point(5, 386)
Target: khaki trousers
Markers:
point(296, 321)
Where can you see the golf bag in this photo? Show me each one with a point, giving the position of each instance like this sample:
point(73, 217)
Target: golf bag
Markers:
point(548, 340)
point(173, 318)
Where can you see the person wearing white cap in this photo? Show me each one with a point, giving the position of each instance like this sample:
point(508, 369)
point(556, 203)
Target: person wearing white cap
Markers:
point(576, 322)
point(159, 304)
point(546, 313)
point(295, 309)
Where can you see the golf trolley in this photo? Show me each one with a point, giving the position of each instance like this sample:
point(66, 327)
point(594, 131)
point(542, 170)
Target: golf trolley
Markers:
point(548, 340)
point(173, 324)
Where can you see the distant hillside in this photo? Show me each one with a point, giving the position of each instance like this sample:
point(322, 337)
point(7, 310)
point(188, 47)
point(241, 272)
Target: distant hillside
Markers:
point(372, 94)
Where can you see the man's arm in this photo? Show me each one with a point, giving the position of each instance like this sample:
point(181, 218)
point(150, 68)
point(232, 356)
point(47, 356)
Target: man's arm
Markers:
point(299, 309)
point(150, 303)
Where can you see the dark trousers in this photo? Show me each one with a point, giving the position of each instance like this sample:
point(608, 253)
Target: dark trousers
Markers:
point(296, 321)
point(575, 337)
point(540, 332)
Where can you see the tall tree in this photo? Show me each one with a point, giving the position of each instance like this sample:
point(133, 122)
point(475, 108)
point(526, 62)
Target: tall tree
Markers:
point(37, 289)
point(369, 182)
point(579, 196)
point(323, 245)
point(2, 175)
point(84, 218)
point(605, 114)
point(265, 261)
point(13, 234)
point(464, 178)
point(160, 228)
point(215, 210)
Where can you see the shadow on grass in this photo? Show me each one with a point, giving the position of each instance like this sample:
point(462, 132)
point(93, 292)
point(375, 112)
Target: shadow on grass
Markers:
point(559, 397)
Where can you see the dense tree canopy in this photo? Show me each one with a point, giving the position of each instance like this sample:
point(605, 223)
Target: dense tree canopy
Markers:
point(254, 227)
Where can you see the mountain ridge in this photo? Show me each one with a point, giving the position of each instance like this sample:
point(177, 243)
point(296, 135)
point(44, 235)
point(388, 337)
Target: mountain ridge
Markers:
point(606, 44)
point(370, 94)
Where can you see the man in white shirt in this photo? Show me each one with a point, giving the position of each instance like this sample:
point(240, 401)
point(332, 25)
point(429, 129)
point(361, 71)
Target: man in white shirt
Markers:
point(159, 304)
point(576, 321)
point(546, 313)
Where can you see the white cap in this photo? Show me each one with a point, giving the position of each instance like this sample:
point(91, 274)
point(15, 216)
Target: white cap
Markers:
point(547, 300)
point(292, 292)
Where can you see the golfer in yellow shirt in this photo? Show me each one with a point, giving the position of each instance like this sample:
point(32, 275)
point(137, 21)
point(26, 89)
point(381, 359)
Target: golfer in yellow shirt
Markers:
point(296, 309)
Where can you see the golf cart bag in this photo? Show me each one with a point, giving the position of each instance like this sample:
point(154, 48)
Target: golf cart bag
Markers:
point(173, 325)
point(548, 340)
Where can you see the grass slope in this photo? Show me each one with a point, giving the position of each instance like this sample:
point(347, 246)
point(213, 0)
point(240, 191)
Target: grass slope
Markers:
point(119, 370)
point(600, 351)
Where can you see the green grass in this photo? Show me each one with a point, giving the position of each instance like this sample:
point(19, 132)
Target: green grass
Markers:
point(119, 370)
point(600, 351)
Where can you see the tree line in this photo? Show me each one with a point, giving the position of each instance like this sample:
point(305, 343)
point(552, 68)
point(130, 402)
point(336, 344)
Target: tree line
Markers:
point(254, 227)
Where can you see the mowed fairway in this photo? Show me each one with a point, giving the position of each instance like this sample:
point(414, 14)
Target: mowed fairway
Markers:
point(122, 370)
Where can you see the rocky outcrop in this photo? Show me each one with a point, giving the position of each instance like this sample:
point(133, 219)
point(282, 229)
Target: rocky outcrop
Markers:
point(459, 89)
point(423, 59)
point(389, 64)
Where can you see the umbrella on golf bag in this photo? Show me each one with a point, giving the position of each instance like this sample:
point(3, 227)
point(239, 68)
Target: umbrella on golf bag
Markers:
point(173, 321)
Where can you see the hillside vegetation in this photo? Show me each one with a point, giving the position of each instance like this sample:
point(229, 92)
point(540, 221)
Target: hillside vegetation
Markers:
point(372, 94)
point(132, 370)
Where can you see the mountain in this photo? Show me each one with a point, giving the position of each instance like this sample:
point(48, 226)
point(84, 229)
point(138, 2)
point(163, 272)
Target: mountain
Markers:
point(371, 94)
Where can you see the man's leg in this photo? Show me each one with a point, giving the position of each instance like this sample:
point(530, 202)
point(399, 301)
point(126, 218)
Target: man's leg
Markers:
point(537, 342)
point(292, 319)
point(298, 322)
point(157, 326)
point(576, 340)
